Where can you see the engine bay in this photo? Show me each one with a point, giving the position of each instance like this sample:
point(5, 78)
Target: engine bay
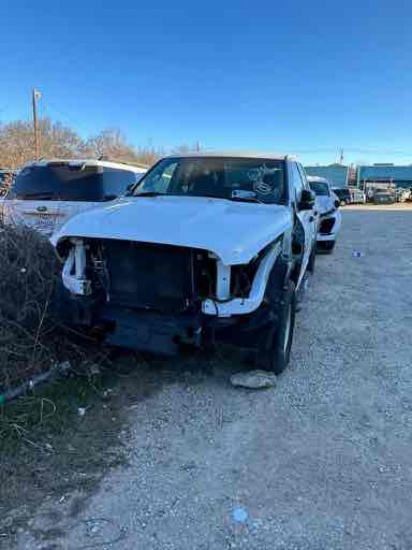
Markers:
point(152, 277)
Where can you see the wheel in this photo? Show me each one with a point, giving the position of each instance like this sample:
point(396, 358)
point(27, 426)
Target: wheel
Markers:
point(274, 351)
point(326, 246)
point(343, 203)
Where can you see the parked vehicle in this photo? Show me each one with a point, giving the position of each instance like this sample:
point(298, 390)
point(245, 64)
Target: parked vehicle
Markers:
point(343, 195)
point(384, 197)
point(402, 194)
point(348, 195)
point(46, 193)
point(357, 196)
point(204, 248)
point(329, 216)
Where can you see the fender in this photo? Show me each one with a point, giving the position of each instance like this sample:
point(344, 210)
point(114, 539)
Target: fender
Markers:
point(243, 306)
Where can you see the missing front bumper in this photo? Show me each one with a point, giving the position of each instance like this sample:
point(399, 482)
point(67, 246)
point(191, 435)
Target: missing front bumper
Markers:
point(148, 332)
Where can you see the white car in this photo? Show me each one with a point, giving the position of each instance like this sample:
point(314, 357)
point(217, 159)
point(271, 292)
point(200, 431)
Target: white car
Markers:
point(204, 248)
point(402, 194)
point(47, 193)
point(329, 215)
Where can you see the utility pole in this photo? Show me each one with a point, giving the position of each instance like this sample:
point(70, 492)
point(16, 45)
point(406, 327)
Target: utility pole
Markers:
point(35, 96)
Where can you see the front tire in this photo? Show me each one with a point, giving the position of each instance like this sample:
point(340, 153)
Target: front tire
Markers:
point(274, 352)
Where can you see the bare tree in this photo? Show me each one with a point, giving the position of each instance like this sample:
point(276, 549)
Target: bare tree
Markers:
point(148, 155)
point(111, 144)
point(17, 142)
point(58, 141)
point(185, 149)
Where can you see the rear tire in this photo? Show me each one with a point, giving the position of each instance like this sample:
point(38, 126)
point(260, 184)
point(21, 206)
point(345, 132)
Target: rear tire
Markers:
point(274, 351)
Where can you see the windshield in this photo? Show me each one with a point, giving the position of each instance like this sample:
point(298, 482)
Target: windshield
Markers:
point(72, 182)
point(320, 188)
point(245, 179)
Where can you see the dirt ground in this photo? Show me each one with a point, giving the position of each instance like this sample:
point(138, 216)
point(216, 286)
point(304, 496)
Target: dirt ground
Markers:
point(321, 461)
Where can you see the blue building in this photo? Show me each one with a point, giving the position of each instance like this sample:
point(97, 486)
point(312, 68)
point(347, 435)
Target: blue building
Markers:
point(399, 176)
point(336, 174)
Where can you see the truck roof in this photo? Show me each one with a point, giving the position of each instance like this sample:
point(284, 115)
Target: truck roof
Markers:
point(233, 154)
point(87, 162)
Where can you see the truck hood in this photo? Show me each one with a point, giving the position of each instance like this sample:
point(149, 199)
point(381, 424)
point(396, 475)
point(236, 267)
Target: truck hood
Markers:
point(235, 232)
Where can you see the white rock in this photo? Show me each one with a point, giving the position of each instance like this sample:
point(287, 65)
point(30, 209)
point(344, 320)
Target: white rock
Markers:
point(255, 379)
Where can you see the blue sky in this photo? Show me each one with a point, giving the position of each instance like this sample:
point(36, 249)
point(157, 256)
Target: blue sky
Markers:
point(296, 76)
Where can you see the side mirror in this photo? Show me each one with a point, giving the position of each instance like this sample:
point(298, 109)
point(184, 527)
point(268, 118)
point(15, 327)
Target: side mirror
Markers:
point(337, 203)
point(307, 200)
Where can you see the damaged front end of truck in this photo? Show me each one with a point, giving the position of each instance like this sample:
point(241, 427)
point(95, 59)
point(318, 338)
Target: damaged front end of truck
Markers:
point(155, 297)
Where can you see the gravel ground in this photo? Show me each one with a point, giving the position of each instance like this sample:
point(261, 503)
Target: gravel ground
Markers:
point(321, 461)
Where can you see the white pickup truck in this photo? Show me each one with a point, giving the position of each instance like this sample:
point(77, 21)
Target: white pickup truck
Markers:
point(327, 207)
point(204, 248)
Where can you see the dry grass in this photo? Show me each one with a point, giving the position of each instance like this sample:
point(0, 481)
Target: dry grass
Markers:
point(44, 441)
point(33, 335)
point(28, 319)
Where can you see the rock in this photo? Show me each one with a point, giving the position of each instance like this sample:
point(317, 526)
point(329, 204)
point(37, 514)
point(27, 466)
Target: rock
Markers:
point(255, 379)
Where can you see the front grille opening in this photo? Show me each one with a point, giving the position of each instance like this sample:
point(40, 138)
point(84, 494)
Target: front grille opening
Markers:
point(166, 279)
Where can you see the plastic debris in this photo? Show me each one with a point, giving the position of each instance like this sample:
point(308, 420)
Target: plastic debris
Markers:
point(357, 254)
point(255, 379)
point(94, 370)
point(81, 411)
point(57, 369)
point(240, 515)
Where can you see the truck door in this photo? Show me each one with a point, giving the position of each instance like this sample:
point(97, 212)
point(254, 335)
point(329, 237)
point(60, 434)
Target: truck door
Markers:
point(305, 218)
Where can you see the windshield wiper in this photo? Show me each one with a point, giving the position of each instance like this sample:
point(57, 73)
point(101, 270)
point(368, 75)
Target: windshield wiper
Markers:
point(148, 194)
point(245, 199)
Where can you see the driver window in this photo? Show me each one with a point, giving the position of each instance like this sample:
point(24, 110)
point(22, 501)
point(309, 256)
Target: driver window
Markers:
point(303, 176)
point(297, 181)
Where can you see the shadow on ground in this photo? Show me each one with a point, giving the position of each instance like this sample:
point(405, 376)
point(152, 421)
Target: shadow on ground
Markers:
point(60, 441)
